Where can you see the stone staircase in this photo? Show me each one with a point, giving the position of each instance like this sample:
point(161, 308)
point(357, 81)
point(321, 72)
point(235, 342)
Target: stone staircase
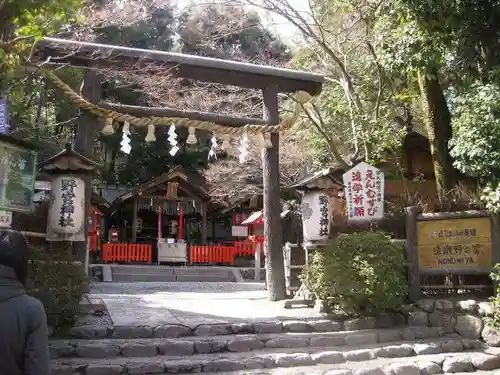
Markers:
point(154, 273)
point(354, 347)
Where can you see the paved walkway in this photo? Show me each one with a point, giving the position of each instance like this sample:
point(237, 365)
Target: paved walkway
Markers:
point(192, 304)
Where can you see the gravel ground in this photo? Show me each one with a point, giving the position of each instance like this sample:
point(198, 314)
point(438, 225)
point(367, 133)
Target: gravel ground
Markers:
point(192, 303)
point(89, 319)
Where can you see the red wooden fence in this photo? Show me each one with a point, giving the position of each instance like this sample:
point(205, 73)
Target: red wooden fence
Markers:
point(117, 252)
point(206, 254)
point(223, 254)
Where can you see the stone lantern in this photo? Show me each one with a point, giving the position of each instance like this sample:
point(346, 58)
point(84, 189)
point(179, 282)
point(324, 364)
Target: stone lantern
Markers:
point(320, 204)
point(320, 198)
point(71, 174)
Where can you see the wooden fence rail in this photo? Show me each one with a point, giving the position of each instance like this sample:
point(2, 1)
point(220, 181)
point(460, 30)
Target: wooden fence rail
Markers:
point(112, 252)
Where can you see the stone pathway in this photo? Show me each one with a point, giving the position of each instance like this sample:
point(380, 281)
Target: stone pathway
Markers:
point(322, 370)
point(384, 360)
point(192, 303)
point(231, 328)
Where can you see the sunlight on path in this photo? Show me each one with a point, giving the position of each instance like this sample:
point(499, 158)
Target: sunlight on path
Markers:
point(191, 303)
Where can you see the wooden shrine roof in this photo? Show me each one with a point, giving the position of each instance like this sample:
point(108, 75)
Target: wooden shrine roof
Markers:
point(69, 160)
point(190, 181)
point(331, 174)
point(85, 54)
point(414, 140)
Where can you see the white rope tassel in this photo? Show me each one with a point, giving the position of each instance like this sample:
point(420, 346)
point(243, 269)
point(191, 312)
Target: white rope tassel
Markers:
point(244, 143)
point(212, 153)
point(172, 139)
point(125, 143)
point(108, 127)
point(191, 139)
point(150, 137)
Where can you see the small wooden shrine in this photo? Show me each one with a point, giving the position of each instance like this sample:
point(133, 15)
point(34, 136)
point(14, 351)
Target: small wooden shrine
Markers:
point(169, 211)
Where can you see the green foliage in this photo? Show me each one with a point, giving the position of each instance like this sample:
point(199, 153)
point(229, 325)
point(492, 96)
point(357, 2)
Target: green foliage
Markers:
point(476, 138)
point(364, 273)
point(59, 283)
point(358, 107)
point(491, 196)
point(495, 276)
point(39, 18)
point(476, 131)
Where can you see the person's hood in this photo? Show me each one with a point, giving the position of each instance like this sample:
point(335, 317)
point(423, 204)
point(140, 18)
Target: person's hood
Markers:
point(10, 286)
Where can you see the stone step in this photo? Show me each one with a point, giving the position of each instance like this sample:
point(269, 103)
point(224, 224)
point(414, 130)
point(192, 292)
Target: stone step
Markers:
point(385, 360)
point(278, 326)
point(187, 346)
point(206, 277)
point(130, 278)
point(135, 277)
point(179, 270)
point(164, 273)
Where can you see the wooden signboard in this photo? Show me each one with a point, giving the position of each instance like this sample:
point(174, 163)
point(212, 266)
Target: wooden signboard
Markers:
point(450, 243)
point(17, 176)
point(455, 243)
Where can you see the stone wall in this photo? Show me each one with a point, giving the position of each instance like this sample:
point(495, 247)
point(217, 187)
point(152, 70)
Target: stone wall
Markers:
point(468, 318)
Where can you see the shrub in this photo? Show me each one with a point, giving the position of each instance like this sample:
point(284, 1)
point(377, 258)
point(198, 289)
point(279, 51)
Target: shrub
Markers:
point(362, 273)
point(56, 280)
point(495, 300)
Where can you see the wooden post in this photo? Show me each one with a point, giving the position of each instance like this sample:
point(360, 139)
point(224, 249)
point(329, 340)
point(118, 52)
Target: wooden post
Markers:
point(275, 271)
point(214, 221)
point(85, 141)
point(257, 262)
point(135, 208)
point(412, 253)
point(203, 223)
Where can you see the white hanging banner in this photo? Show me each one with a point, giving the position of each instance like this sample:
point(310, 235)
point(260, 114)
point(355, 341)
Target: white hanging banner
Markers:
point(316, 213)
point(364, 192)
point(67, 210)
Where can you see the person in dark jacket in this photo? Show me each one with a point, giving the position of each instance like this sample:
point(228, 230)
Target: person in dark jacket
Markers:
point(23, 323)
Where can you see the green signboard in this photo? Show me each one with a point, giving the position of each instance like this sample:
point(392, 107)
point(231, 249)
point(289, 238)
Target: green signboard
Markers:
point(17, 175)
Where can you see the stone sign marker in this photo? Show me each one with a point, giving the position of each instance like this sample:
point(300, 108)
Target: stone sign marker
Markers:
point(450, 243)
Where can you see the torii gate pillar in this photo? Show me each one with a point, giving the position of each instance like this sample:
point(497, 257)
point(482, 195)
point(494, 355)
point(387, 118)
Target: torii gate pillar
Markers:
point(275, 268)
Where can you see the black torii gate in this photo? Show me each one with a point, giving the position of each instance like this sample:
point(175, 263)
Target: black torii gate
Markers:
point(271, 81)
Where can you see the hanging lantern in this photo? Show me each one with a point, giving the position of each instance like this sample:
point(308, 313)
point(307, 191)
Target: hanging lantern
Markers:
point(191, 139)
point(316, 216)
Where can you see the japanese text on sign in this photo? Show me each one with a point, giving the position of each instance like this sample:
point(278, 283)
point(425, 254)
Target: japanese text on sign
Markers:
point(67, 203)
point(364, 187)
point(454, 243)
point(324, 222)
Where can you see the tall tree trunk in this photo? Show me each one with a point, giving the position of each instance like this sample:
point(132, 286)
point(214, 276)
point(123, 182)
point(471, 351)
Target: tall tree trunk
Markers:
point(437, 122)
